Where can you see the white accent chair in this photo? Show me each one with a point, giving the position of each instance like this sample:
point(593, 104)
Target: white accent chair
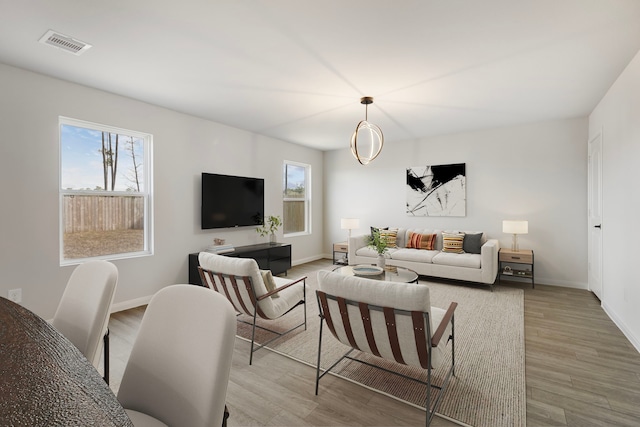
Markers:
point(83, 313)
point(240, 281)
point(178, 371)
point(393, 321)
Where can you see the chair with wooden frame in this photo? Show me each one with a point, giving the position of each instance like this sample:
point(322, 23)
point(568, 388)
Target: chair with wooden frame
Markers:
point(393, 321)
point(241, 282)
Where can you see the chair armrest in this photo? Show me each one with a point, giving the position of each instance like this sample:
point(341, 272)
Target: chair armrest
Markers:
point(276, 290)
point(355, 243)
point(435, 340)
point(489, 260)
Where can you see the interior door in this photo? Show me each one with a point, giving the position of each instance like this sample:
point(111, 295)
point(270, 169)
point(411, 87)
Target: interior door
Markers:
point(595, 216)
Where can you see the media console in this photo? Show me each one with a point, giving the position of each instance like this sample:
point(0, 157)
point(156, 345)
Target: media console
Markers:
point(276, 258)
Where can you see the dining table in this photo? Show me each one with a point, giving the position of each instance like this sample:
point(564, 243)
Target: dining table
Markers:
point(45, 380)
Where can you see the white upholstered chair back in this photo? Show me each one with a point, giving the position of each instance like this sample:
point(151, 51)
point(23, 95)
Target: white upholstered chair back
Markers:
point(408, 310)
point(83, 312)
point(179, 366)
point(226, 280)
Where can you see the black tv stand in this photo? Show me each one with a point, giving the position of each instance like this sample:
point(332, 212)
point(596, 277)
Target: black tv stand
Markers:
point(276, 258)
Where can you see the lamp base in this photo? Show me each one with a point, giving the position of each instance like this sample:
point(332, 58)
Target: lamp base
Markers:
point(514, 243)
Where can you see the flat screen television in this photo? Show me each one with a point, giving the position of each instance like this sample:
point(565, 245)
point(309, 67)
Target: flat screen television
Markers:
point(231, 201)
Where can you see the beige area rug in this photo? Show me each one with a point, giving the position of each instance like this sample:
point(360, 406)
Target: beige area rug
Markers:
point(489, 386)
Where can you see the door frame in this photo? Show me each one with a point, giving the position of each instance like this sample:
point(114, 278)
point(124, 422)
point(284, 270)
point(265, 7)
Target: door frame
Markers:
point(591, 219)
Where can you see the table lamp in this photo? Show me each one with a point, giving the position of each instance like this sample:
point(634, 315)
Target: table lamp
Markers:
point(515, 228)
point(349, 224)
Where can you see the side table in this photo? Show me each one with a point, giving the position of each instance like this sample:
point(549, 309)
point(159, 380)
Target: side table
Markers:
point(513, 264)
point(341, 248)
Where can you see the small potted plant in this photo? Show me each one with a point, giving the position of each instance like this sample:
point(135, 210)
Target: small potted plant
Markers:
point(379, 242)
point(269, 227)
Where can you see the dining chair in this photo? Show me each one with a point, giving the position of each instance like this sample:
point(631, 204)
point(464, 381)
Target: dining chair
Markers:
point(83, 313)
point(178, 371)
point(253, 292)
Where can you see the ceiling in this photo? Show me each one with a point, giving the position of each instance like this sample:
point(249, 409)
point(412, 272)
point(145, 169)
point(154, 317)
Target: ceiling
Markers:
point(295, 70)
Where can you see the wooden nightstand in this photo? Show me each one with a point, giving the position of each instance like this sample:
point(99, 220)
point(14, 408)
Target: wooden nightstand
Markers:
point(513, 264)
point(341, 248)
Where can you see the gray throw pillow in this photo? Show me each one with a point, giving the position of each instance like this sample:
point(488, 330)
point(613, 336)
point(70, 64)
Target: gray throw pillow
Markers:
point(472, 243)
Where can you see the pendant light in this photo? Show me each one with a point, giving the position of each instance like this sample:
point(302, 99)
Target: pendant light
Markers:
point(367, 140)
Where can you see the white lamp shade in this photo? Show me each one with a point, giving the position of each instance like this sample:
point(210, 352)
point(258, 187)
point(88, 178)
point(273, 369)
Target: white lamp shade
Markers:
point(515, 227)
point(349, 223)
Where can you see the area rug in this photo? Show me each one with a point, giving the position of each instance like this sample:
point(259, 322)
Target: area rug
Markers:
point(489, 386)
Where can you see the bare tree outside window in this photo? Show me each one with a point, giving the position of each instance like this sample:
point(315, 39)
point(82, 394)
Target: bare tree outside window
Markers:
point(109, 159)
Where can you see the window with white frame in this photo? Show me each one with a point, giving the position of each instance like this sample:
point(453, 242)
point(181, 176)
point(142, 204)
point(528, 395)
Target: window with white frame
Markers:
point(105, 192)
point(296, 217)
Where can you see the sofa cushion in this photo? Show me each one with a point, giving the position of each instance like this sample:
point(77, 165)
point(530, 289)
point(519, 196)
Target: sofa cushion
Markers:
point(371, 252)
point(421, 241)
point(391, 235)
point(438, 233)
point(472, 243)
point(457, 260)
point(452, 242)
point(413, 255)
point(373, 229)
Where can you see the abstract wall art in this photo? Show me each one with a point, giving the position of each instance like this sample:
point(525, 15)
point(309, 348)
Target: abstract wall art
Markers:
point(438, 190)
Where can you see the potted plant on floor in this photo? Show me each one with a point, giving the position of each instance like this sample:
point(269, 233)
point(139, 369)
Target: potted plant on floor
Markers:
point(269, 227)
point(378, 241)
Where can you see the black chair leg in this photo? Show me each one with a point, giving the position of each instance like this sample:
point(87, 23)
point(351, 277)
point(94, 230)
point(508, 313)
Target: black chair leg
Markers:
point(225, 417)
point(106, 356)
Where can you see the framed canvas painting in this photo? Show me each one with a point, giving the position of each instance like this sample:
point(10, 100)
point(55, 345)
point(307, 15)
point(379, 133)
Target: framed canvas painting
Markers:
point(437, 190)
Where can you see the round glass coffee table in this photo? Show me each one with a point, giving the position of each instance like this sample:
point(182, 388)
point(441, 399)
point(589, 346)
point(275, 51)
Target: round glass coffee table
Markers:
point(390, 274)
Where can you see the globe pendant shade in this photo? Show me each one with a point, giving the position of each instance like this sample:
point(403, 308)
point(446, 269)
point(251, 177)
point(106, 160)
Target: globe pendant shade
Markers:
point(366, 142)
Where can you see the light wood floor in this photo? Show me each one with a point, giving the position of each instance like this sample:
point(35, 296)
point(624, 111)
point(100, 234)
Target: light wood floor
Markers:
point(580, 371)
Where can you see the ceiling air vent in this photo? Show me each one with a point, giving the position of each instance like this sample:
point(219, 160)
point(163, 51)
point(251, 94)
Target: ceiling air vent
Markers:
point(66, 43)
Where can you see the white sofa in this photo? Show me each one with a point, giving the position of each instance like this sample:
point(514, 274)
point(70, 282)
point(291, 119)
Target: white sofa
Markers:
point(472, 267)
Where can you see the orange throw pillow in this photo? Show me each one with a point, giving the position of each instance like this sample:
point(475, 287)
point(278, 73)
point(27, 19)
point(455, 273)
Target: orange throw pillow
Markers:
point(421, 241)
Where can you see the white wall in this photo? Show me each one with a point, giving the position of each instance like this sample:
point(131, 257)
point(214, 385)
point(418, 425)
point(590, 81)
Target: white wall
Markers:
point(184, 146)
point(536, 172)
point(618, 117)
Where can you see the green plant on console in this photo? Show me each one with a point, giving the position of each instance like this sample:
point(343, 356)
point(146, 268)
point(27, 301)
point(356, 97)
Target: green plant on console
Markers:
point(270, 225)
point(378, 242)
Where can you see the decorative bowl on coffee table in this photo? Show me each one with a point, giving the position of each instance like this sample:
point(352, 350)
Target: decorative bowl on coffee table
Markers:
point(367, 270)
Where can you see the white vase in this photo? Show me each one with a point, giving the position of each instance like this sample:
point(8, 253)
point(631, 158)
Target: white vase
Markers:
point(381, 261)
point(272, 238)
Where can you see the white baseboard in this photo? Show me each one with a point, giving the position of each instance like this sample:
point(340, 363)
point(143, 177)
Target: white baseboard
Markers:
point(564, 283)
point(306, 260)
point(622, 326)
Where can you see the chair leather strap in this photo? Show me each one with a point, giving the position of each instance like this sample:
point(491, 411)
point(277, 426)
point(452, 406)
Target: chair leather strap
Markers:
point(219, 278)
point(234, 284)
point(392, 331)
point(252, 296)
point(207, 279)
point(346, 323)
point(203, 278)
point(326, 314)
point(420, 338)
point(365, 313)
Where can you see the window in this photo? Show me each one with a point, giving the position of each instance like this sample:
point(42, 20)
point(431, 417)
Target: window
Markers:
point(297, 198)
point(105, 192)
